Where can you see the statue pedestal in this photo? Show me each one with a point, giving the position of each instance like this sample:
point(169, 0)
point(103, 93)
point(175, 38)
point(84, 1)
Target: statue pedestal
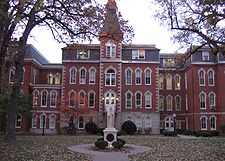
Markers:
point(110, 135)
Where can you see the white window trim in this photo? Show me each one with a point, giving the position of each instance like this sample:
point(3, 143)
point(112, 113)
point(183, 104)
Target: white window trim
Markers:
point(51, 92)
point(162, 103)
point(161, 76)
point(204, 55)
point(136, 76)
point(140, 106)
point(43, 114)
point(79, 123)
point(176, 102)
point(50, 117)
point(126, 76)
point(21, 120)
point(85, 79)
point(213, 72)
point(78, 54)
point(34, 116)
point(111, 45)
point(148, 92)
point(201, 85)
point(202, 92)
point(72, 91)
point(148, 69)
point(33, 95)
point(82, 91)
point(179, 78)
point(70, 75)
point(138, 54)
point(126, 99)
point(167, 98)
point(214, 105)
point(92, 68)
point(210, 122)
point(206, 122)
point(169, 76)
point(46, 98)
point(110, 77)
point(89, 99)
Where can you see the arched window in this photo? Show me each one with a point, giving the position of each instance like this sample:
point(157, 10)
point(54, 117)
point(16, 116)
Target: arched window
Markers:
point(211, 77)
point(148, 73)
point(201, 76)
point(161, 103)
point(18, 121)
point(148, 100)
point(177, 82)
point(35, 97)
point(82, 76)
point(52, 121)
point(34, 75)
point(44, 98)
point(202, 97)
point(110, 78)
point(42, 121)
point(34, 121)
point(169, 123)
point(57, 78)
point(161, 81)
point(72, 99)
point(138, 99)
point(12, 74)
point(128, 101)
point(53, 98)
point(178, 103)
point(169, 82)
point(81, 123)
point(23, 78)
point(92, 76)
point(138, 77)
point(110, 49)
point(73, 72)
point(213, 123)
point(128, 77)
point(50, 78)
point(169, 102)
point(212, 99)
point(203, 121)
point(91, 99)
point(82, 98)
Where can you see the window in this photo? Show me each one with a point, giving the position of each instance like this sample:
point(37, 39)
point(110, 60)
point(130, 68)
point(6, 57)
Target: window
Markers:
point(205, 56)
point(161, 103)
point(35, 97)
point(201, 75)
point(42, 121)
point(186, 102)
point(178, 103)
point(52, 121)
point(34, 121)
point(202, 100)
point(18, 121)
point(148, 73)
point(148, 100)
point(169, 82)
point(128, 77)
point(83, 54)
point(169, 102)
point(92, 76)
point(138, 54)
point(168, 62)
point(185, 80)
point(138, 99)
point(57, 78)
point(110, 49)
point(82, 98)
point(138, 76)
point(211, 77)
point(169, 121)
point(110, 78)
point(203, 121)
point(128, 100)
point(161, 81)
point(212, 99)
point(23, 74)
point(91, 99)
point(81, 123)
point(213, 123)
point(44, 98)
point(53, 98)
point(82, 76)
point(12, 74)
point(50, 78)
point(72, 99)
point(177, 82)
point(34, 76)
point(73, 72)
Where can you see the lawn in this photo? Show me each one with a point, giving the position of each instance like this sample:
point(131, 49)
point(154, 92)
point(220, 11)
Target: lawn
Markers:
point(54, 148)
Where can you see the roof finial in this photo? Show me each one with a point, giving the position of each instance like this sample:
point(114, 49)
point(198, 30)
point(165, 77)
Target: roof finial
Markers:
point(111, 4)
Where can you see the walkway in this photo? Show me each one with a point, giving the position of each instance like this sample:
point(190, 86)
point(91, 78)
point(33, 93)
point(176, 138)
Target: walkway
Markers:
point(108, 156)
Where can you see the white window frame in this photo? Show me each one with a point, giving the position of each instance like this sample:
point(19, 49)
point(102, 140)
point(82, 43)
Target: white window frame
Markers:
point(35, 97)
point(148, 106)
point(34, 119)
point(138, 106)
point(57, 78)
point(126, 100)
point(83, 51)
point(111, 76)
point(81, 105)
point(112, 49)
point(41, 120)
point(199, 77)
point(161, 98)
point(169, 82)
point(214, 104)
point(51, 94)
point(211, 122)
point(213, 78)
point(136, 76)
point(92, 78)
point(161, 81)
point(50, 78)
point(202, 93)
point(79, 123)
point(167, 103)
point(126, 76)
point(150, 72)
point(82, 80)
point(70, 98)
point(206, 120)
point(178, 108)
point(89, 93)
point(73, 73)
point(18, 120)
point(205, 56)
point(177, 82)
point(42, 98)
point(136, 54)
point(52, 126)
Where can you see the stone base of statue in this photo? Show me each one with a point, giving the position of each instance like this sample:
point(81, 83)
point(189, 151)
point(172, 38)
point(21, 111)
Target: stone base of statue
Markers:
point(110, 135)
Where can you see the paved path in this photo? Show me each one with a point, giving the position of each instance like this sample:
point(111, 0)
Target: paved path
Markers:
point(108, 156)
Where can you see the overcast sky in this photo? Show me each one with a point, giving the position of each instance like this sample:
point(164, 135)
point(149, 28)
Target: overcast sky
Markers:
point(139, 13)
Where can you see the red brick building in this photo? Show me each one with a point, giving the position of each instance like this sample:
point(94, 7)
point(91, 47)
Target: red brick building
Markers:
point(147, 87)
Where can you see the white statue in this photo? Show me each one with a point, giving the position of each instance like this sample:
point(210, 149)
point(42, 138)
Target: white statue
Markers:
point(110, 116)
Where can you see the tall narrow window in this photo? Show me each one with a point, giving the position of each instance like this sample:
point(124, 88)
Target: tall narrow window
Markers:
point(169, 82)
point(148, 100)
point(34, 76)
point(201, 75)
point(72, 99)
point(73, 72)
point(161, 81)
point(205, 56)
point(169, 102)
point(42, 121)
point(110, 78)
point(212, 99)
point(52, 121)
point(138, 76)
point(138, 99)
point(177, 82)
point(91, 99)
point(82, 76)
point(18, 121)
point(23, 78)
point(81, 123)
point(44, 98)
point(50, 78)
point(53, 98)
point(211, 77)
point(148, 77)
point(178, 103)
point(12, 74)
point(92, 76)
point(57, 78)
point(35, 97)
point(110, 49)
point(203, 121)
point(185, 80)
point(128, 100)
point(34, 121)
point(213, 123)
point(161, 103)
point(82, 98)
point(128, 77)
point(202, 98)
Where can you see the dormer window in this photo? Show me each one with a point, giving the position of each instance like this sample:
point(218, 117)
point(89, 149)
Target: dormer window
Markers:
point(168, 62)
point(138, 54)
point(83, 54)
point(205, 56)
point(110, 49)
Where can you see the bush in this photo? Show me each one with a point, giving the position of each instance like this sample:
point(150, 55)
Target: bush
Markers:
point(188, 132)
point(122, 141)
point(222, 129)
point(169, 133)
point(101, 144)
point(206, 133)
point(118, 144)
point(91, 128)
point(100, 131)
point(129, 127)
